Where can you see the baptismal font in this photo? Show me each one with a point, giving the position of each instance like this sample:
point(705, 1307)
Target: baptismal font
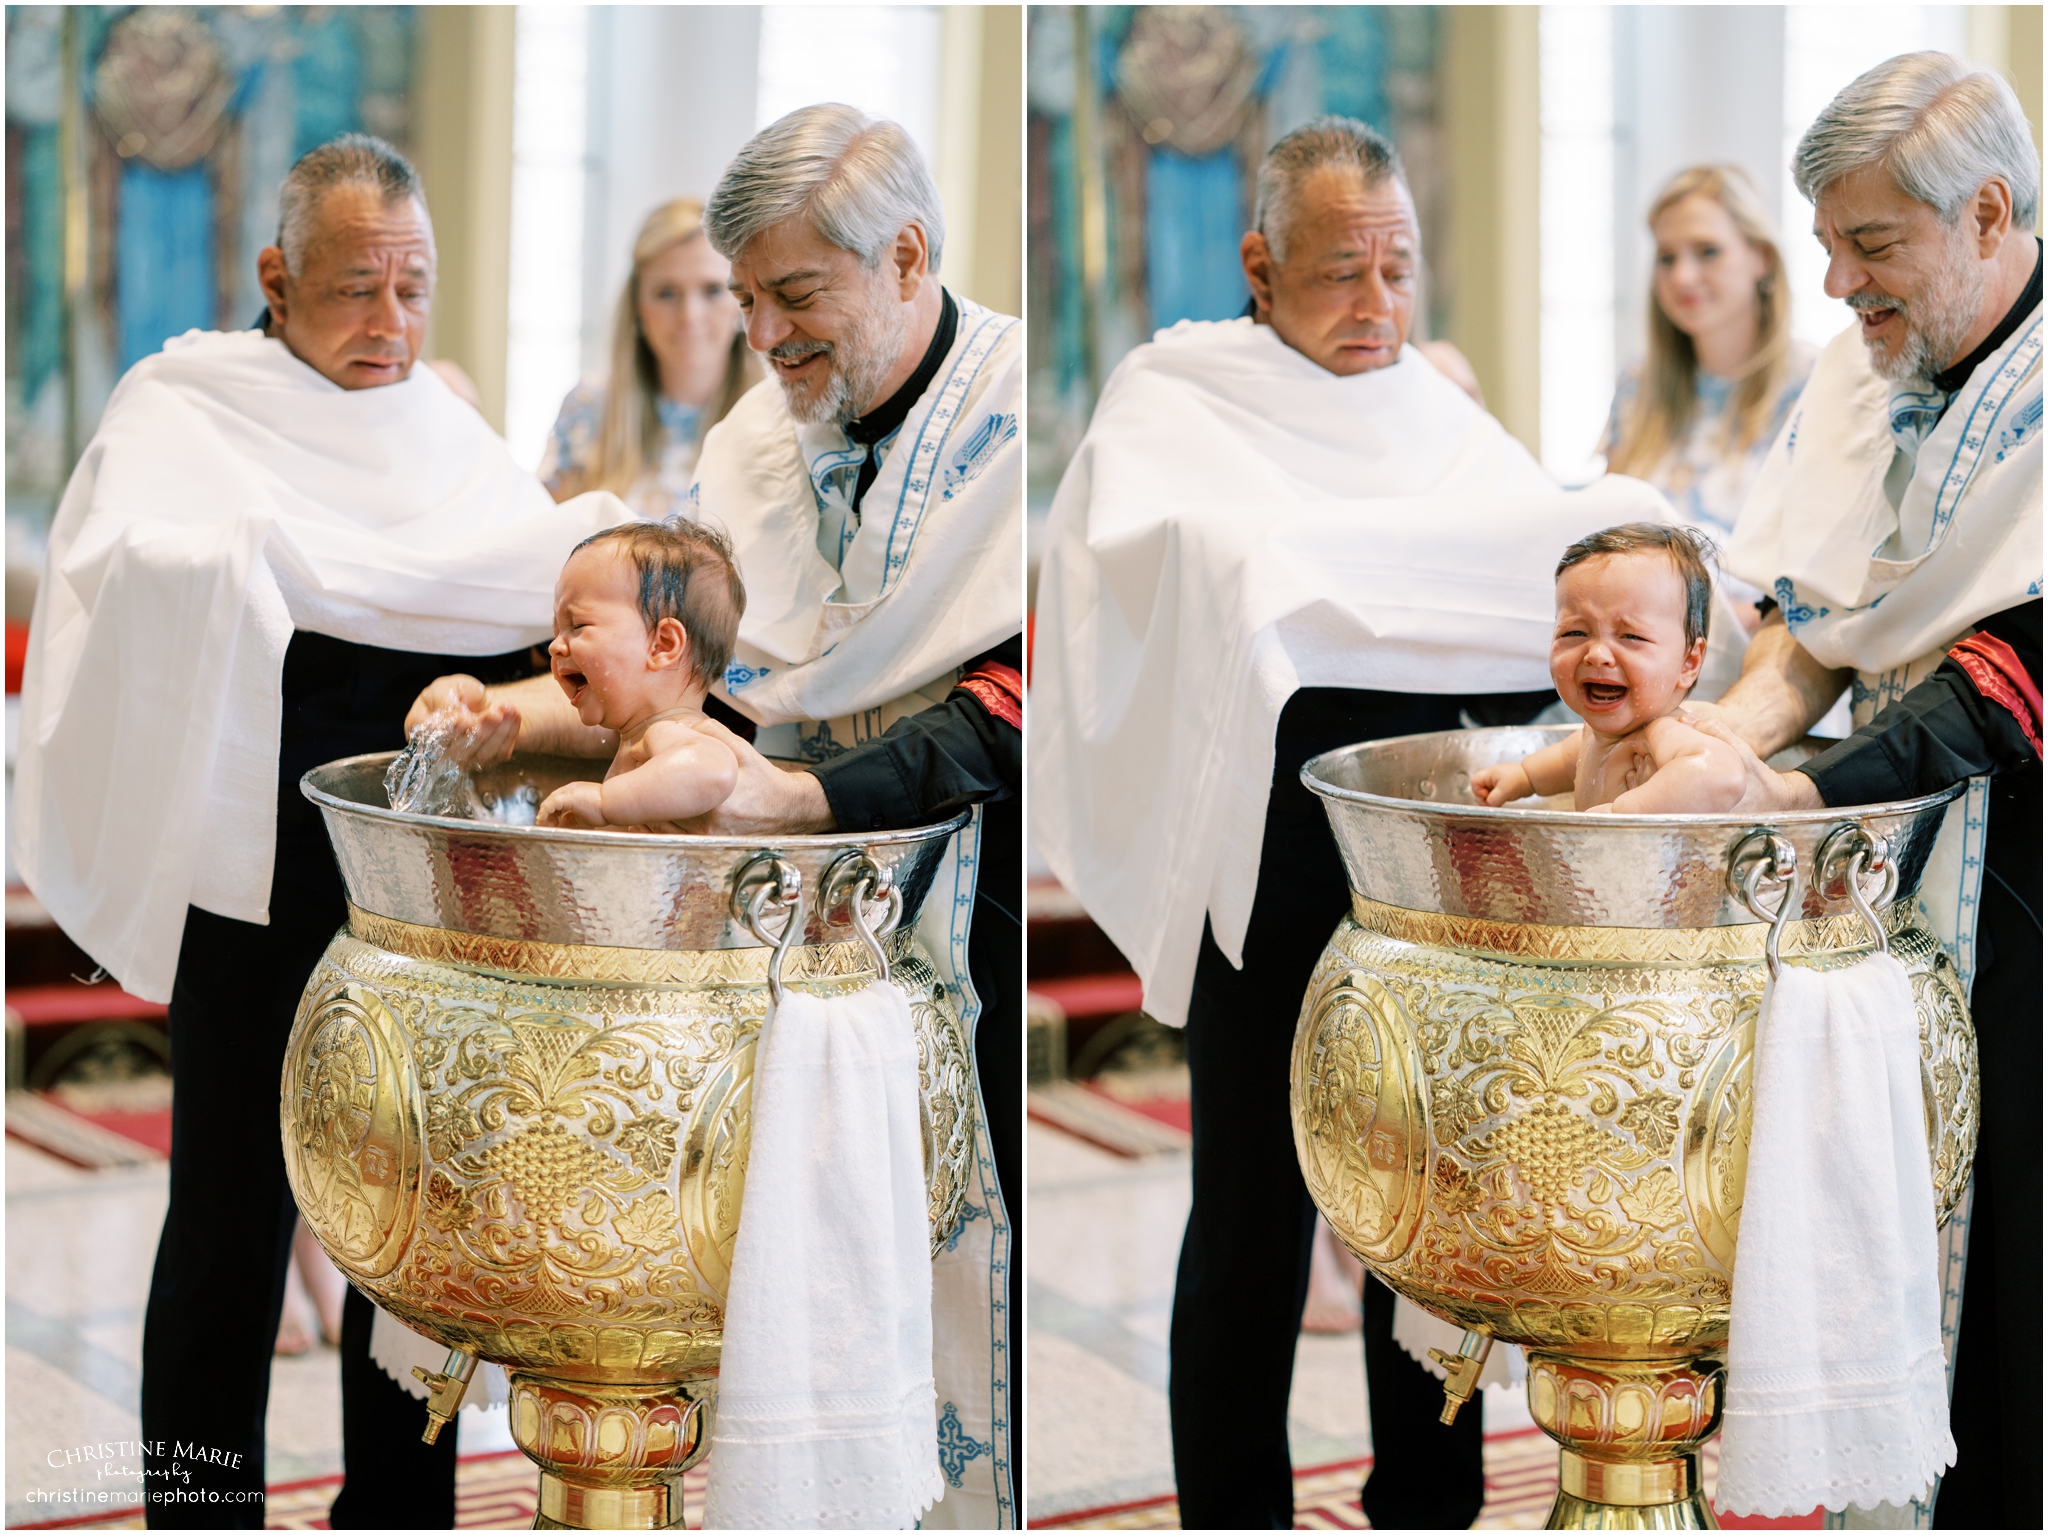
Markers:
point(516, 1097)
point(1521, 1081)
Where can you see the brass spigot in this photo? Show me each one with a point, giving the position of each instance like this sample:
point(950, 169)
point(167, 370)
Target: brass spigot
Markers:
point(1462, 1381)
point(445, 1391)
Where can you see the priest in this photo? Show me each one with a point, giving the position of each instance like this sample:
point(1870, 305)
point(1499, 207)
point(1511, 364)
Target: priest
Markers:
point(872, 488)
point(275, 538)
point(1281, 534)
point(1898, 523)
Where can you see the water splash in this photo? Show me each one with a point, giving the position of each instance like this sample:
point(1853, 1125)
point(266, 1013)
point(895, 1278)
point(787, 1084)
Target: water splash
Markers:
point(428, 778)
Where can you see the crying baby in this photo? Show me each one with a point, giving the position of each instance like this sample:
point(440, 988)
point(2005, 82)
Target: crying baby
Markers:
point(646, 615)
point(1631, 636)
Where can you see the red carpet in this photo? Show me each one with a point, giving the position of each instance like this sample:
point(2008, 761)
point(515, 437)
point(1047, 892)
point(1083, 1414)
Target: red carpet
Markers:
point(152, 1130)
point(1177, 1112)
point(1521, 1481)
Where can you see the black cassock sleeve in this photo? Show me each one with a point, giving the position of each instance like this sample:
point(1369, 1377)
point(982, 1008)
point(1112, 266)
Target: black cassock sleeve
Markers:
point(1947, 728)
point(931, 764)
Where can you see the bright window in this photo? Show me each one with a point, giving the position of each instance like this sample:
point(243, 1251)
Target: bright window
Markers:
point(543, 334)
point(1575, 60)
point(1826, 47)
point(883, 59)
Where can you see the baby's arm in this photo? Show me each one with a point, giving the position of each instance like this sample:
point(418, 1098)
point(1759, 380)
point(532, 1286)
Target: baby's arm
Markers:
point(690, 773)
point(1550, 771)
point(1696, 774)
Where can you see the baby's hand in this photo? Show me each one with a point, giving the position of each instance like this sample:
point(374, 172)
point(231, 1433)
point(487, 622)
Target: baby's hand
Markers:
point(1501, 784)
point(579, 805)
point(487, 731)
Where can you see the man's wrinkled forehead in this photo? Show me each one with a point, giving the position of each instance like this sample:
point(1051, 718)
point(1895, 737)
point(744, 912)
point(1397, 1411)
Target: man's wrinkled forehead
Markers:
point(1867, 204)
point(1339, 201)
point(361, 236)
point(789, 255)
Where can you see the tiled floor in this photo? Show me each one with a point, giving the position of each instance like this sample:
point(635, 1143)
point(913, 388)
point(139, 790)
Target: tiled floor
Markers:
point(1105, 1236)
point(79, 1250)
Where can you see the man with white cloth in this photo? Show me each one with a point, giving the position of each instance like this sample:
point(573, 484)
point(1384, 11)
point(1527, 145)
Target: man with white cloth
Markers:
point(274, 539)
point(872, 489)
point(1898, 523)
point(1282, 534)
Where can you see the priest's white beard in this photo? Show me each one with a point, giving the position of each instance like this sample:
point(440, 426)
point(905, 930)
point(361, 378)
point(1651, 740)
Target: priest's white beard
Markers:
point(1937, 323)
point(858, 362)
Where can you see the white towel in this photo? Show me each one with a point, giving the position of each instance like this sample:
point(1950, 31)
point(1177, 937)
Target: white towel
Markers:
point(1837, 1389)
point(826, 1416)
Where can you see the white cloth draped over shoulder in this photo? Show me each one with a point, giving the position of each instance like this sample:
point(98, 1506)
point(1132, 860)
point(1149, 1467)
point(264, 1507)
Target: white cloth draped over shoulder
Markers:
point(1874, 576)
point(1239, 523)
point(1887, 535)
point(933, 575)
point(231, 496)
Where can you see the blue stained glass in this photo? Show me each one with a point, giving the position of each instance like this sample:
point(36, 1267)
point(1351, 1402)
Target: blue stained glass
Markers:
point(1195, 218)
point(327, 76)
point(163, 258)
point(1352, 53)
point(40, 310)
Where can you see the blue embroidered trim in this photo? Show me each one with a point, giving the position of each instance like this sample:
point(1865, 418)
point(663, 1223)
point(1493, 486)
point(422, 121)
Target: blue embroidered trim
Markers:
point(956, 1446)
point(937, 426)
point(2026, 421)
point(1796, 612)
point(738, 676)
point(969, 1213)
point(979, 450)
point(1969, 451)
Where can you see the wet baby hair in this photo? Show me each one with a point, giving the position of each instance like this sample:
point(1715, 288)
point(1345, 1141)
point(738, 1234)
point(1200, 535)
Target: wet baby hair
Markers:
point(687, 572)
point(1691, 552)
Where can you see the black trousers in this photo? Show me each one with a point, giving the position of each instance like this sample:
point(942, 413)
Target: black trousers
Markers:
point(1244, 1262)
point(218, 1286)
point(1995, 1407)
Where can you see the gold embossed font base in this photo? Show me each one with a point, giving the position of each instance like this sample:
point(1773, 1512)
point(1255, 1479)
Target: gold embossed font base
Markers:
point(1542, 1134)
point(546, 1169)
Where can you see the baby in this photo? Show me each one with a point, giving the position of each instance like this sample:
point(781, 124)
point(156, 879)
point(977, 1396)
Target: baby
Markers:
point(645, 618)
point(1631, 635)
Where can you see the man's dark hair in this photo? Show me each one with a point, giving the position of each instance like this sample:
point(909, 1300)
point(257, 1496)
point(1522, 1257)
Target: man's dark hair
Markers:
point(1320, 142)
point(687, 572)
point(1692, 554)
point(353, 159)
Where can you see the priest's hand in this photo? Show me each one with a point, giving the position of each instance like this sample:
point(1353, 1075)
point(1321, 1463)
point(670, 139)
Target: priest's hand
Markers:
point(1765, 790)
point(488, 729)
point(767, 800)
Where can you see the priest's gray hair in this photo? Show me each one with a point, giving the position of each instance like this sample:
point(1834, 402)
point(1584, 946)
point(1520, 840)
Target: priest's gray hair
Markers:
point(353, 159)
point(859, 179)
point(1320, 142)
point(1941, 127)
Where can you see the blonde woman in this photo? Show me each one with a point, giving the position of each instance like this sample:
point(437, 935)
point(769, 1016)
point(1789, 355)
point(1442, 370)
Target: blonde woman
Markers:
point(1697, 414)
point(678, 362)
